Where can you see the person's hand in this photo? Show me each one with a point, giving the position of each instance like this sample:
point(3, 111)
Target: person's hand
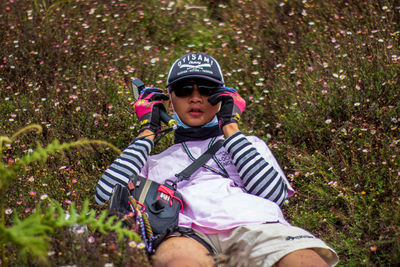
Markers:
point(148, 107)
point(232, 105)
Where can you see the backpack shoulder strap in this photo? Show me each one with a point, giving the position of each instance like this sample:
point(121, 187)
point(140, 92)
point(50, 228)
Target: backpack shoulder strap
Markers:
point(189, 170)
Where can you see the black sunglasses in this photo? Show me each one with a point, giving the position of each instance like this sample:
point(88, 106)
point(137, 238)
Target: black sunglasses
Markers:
point(186, 88)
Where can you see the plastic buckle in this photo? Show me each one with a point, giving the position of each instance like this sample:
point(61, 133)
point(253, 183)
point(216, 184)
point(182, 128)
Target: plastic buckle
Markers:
point(171, 184)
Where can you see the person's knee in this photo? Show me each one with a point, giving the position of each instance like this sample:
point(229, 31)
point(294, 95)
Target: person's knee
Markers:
point(180, 252)
point(302, 258)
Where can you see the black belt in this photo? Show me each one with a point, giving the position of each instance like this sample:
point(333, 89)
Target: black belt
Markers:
point(192, 234)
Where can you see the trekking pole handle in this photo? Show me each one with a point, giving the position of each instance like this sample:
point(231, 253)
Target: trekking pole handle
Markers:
point(137, 87)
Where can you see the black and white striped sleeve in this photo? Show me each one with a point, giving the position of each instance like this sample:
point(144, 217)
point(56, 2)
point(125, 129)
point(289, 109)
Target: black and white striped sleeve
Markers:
point(259, 177)
point(130, 162)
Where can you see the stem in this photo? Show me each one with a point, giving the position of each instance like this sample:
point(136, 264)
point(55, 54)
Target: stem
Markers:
point(2, 224)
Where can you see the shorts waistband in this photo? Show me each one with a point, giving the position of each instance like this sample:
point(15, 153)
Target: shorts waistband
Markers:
point(189, 232)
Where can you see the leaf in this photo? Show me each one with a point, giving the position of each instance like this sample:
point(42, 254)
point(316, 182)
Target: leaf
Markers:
point(30, 235)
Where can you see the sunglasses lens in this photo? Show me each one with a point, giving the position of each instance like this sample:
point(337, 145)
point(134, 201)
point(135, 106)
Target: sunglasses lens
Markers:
point(186, 88)
point(206, 90)
point(183, 90)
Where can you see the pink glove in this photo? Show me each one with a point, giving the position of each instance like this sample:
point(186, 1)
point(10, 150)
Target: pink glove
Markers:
point(148, 107)
point(232, 105)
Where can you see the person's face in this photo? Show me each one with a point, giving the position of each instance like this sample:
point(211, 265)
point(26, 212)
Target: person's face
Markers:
point(190, 101)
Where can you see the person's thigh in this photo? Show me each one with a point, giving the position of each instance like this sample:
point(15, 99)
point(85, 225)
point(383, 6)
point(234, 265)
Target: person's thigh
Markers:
point(302, 258)
point(182, 251)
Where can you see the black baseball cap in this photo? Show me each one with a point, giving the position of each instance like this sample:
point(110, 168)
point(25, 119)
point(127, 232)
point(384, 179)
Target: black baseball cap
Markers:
point(195, 65)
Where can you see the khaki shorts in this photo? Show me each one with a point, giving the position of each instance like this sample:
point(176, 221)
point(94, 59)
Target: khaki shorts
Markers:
point(263, 244)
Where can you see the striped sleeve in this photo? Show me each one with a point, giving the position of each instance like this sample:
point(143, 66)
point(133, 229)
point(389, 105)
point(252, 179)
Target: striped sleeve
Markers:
point(129, 163)
point(259, 177)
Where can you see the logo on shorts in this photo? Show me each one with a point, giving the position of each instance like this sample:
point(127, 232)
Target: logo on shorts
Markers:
point(298, 237)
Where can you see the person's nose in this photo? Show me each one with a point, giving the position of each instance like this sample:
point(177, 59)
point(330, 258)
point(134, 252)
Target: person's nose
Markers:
point(195, 96)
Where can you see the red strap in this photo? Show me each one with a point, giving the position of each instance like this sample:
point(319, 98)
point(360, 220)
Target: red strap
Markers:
point(171, 193)
point(166, 190)
point(130, 185)
point(180, 201)
point(140, 204)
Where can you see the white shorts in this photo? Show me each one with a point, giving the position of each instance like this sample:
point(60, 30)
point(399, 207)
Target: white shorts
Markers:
point(265, 244)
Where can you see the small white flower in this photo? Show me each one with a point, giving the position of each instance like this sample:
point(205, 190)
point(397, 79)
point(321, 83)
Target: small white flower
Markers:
point(51, 253)
point(328, 121)
point(132, 244)
point(154, 60)
point(80, 230)
point(141, 245)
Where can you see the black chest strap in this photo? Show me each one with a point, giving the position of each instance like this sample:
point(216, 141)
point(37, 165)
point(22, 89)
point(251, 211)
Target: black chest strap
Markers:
point(189, 170)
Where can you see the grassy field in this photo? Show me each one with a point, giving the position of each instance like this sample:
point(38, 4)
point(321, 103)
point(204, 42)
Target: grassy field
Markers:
point(322, 85)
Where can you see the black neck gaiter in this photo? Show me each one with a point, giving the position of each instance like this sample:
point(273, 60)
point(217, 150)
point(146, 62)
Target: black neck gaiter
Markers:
point(196, 133)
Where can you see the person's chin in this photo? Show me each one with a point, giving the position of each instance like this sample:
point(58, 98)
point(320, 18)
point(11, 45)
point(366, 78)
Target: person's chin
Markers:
point(195, 123)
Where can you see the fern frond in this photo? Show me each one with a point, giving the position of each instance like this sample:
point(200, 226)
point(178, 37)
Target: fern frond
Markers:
point(42, 153)
point(9, 140)
point(34, 127)
point(30, 236)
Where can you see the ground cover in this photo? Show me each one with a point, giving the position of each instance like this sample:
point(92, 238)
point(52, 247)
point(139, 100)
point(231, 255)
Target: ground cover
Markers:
point(321, 81)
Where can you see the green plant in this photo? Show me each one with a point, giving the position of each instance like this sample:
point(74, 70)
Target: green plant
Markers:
point(320, 79)
point(32, 235)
